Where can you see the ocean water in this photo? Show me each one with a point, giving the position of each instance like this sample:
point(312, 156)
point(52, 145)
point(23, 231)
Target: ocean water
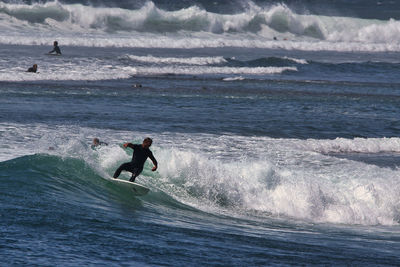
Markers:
point(271, 152)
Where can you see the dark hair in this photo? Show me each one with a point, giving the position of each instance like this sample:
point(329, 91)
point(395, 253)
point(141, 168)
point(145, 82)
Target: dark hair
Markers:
point(148, 140)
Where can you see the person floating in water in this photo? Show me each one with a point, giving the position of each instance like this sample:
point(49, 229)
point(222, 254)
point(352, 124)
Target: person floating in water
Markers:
point(56, 49)
point(33, 68)
point(96, 142)
point(140, 155)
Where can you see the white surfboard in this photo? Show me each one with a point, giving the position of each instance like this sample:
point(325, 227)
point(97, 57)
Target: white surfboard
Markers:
point(137, 189)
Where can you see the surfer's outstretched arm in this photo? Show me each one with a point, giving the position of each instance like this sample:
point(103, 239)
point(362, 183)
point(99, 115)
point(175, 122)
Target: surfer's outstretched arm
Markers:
point(153, 159)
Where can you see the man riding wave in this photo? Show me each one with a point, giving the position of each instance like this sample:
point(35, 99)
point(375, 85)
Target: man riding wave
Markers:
point(139, 157)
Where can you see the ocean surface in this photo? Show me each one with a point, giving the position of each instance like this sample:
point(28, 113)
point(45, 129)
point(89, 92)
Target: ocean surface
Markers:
point(275, 125)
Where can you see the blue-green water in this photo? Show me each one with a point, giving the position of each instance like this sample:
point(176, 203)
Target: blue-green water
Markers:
point(281, 152)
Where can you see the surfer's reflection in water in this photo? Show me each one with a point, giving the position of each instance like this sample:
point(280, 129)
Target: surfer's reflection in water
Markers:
point(140, 155)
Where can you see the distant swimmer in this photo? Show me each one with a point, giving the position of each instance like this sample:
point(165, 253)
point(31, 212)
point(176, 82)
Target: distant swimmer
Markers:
point(96, 142)
point(140, 155)
point(56, 49)
point(33, 68)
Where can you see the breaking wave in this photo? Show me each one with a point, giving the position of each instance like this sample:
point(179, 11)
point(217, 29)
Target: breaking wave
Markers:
point(299, 182)
point(150, 26)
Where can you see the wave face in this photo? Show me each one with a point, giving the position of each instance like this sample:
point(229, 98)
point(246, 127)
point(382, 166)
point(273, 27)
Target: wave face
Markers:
point(193, 26)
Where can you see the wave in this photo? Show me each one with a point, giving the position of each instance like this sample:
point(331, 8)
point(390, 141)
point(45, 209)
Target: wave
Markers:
point(175, 60)
point(302, 184)
point(356, 194)
point(78, 72)
point(268, 61)
point(193, 27)
point(212, 70)
point(218, 60)
point(150, 18)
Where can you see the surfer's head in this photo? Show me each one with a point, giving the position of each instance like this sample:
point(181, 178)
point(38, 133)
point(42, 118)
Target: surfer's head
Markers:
point(55, 43)
point(34, 67)
point(147, 142)
point(96, 142)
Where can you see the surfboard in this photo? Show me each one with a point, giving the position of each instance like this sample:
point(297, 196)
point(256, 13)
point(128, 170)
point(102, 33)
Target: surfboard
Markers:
point(137, 189)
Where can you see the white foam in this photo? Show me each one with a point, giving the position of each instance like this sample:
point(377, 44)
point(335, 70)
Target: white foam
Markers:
point(356, 145)
point(176, 60)
point(17, 74)
point(297, 60)
point(344, 192)
point(51, 68)
point(238, 78)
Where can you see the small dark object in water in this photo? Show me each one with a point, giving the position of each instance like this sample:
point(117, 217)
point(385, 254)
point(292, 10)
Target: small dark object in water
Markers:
point(33, 68)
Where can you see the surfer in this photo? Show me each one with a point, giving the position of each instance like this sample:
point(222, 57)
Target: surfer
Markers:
point(56, 49)
point(140, 154)
point(33, 68)
point(96, 142)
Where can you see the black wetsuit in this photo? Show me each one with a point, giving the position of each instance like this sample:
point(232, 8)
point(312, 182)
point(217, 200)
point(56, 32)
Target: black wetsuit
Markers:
point(140, 155)
point(56, 49)
point(31, 70)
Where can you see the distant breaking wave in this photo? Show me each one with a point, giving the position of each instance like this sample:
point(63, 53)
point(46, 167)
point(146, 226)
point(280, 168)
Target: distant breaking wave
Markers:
point(150, 26)
point(175, 60)
point(218, 60)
